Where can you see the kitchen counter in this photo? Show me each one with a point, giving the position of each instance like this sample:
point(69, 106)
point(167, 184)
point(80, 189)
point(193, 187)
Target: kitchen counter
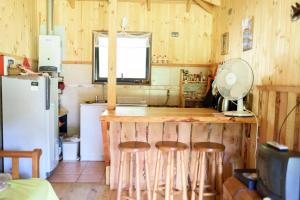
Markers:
point(161, 114)
point(188, 125)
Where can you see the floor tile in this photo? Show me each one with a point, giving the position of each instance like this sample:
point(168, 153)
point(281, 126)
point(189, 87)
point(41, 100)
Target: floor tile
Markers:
point(82, 172)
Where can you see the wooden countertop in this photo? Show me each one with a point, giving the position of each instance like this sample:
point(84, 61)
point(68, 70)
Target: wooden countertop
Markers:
point(165, 114)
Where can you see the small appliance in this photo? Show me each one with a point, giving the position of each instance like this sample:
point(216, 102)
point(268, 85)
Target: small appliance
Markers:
point(50, 53)
point(234, 81)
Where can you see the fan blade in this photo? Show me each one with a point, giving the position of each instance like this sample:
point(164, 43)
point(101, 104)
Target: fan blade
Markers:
point(237, 91)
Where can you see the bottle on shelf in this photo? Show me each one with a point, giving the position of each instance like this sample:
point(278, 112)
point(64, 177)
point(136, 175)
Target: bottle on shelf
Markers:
point(154, 59)
point(159, 59)
point(165, 59)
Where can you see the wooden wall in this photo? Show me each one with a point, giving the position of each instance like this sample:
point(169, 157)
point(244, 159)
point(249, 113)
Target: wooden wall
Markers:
point(195, 28)
point(275, 55)
point(274, 124)
point(18, 25)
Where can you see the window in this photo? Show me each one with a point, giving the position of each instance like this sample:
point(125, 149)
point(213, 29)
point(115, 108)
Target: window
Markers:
point(133, 57)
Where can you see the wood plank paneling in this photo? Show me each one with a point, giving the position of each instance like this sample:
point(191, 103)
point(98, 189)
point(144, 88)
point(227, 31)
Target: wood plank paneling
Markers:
point(264, 117)
point(18, 25)
point(193, 45)
point(271, 107)
point(279, 114)
point(290, 122)
point(276, 44)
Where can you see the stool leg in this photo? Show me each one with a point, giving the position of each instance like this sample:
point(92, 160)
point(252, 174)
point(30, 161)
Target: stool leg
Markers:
point(147, 176)
point(137, 176)
point(195, 176)
point(183, 177)
point(220, 174)
point(157, 174)
point(202, 176)
point(131, 175)
point(167, 189)
point(213, 171)
point(172, 176)
point(120, 176)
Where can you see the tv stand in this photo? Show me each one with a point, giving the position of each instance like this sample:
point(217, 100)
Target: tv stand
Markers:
point(233, 189)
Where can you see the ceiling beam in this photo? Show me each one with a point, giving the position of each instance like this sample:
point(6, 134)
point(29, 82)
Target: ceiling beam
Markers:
point(213, 2)
point(72, 3)
point(188, 5)
point(207, 7)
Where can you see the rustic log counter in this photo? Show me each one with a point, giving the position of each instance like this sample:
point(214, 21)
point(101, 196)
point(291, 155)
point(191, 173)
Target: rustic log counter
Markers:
point(186, 125)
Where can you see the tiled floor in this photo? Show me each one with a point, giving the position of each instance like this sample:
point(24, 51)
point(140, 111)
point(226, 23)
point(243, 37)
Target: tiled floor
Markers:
point(79, 172)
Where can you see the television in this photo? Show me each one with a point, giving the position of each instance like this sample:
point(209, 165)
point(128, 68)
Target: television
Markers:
point(278, 173)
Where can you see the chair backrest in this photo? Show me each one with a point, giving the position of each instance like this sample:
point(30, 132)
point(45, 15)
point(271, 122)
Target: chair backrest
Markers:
point(16, 155)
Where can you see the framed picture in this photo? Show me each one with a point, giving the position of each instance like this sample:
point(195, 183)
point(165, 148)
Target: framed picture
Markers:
point(247, 26)
point(224, 43)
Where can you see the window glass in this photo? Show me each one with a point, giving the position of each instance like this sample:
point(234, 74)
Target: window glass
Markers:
point(133, 53)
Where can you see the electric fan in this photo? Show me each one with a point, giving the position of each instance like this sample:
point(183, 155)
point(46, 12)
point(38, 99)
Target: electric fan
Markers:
point(234, 81)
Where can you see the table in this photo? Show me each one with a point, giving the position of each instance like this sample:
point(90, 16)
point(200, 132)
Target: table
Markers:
point(29, 189)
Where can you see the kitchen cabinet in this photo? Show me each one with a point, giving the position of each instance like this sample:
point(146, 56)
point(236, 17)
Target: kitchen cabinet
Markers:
point(91, 146)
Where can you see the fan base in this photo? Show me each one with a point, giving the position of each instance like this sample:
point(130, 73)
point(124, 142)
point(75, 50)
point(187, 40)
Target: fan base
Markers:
point(238, 114)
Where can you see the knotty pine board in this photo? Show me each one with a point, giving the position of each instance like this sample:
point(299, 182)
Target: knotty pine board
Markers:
point(193, 45)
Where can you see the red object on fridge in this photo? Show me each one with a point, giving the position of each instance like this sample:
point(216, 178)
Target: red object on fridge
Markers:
point(5, 61)
point(26, 63)
point(1, 65)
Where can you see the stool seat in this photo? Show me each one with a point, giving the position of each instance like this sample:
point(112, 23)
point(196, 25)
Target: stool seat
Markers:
point(209, 147)
point(134, 146)
point(171, 146)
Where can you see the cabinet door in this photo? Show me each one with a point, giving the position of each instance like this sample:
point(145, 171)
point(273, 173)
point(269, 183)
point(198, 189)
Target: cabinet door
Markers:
point(91, 146)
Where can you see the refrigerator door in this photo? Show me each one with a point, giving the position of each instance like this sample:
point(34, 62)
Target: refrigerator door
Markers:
point(53, 124)
point(26, 121)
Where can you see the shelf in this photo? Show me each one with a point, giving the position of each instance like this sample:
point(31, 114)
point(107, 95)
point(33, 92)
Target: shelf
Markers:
point(193, 99)
point(199, 82)
point(180, 65)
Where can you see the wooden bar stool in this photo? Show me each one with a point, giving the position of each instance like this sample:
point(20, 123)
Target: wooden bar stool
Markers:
point(133, 148)
point(216, 150)
point(169, 147)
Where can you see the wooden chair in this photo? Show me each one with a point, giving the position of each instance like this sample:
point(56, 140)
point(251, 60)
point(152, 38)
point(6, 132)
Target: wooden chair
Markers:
point(216, 150)
point(133, 148)
point(16, 155)
point(171, 148)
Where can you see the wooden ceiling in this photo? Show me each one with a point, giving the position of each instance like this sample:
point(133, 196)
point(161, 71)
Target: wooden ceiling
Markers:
point(207, 5)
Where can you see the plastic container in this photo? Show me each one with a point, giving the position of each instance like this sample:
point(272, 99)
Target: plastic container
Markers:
point(70, 149)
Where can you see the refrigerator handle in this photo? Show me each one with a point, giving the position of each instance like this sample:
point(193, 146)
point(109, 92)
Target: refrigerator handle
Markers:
point(47, 92)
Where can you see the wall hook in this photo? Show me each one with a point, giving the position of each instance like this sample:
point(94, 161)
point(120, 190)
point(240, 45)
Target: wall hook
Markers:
point(295, 12)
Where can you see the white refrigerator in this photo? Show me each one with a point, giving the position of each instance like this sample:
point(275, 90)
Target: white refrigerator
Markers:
point(30, 120)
